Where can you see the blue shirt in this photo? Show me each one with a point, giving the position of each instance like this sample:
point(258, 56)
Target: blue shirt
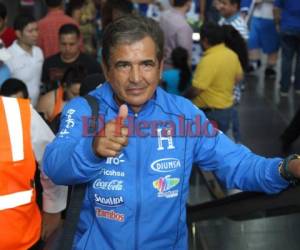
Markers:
point(290, 16)
point(245, 5)
point(172, 78)
point(4, 74)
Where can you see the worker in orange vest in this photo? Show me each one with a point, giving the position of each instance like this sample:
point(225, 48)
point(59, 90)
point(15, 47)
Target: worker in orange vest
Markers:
point(24, 136)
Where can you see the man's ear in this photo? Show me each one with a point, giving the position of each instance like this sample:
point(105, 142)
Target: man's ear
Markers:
point(161, 67)
point(105, 69)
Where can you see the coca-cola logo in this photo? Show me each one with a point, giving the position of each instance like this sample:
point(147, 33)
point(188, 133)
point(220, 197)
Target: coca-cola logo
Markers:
point(113, 185)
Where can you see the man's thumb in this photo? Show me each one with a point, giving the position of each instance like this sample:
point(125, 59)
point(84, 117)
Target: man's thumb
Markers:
point(123, 112)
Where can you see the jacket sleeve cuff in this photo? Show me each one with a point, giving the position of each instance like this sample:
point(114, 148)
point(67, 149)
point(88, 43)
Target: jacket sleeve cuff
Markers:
point(275, 175)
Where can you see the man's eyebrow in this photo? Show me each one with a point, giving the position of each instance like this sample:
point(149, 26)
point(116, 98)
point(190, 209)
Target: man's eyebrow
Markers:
point(118, 63)
point(151, 61)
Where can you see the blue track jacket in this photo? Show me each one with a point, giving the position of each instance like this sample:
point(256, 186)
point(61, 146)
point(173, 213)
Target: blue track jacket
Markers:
point(137, 200)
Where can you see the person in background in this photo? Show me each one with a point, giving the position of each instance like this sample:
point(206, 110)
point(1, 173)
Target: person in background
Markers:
point(246, 9)
point(4, 70)
point(234, 41)
point(13, 87)
point(178, 78)
point(230, 14)
point(24, 136)
point(49, 26)
point(208, 11)
point(88, 27)
point(84, 13)
point(263, 37)
point(27, 59)
point(215, 77)
point(69, 55)
point(287, 19)
point(179, 33)
point(52, 103)
point(7, 34)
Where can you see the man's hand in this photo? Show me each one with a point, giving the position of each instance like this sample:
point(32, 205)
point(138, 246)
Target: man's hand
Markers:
point(294, 168)
point(114, 136)
point(50, 222)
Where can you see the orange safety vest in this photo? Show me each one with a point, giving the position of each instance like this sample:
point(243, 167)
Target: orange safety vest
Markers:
point(20, 219)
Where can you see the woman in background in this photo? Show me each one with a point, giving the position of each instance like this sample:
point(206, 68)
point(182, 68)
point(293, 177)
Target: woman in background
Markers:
point(177, 79)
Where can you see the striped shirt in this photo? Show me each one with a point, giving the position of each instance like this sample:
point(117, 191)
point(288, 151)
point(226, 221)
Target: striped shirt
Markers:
point(237, 22)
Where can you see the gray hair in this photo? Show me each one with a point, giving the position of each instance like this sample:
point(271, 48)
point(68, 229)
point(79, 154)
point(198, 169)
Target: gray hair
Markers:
point(129, 29)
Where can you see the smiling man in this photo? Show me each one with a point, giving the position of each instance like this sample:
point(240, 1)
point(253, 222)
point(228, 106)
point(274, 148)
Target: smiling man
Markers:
point(137, 185)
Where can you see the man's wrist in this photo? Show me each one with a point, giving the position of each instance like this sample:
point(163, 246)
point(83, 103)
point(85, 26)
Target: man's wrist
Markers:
point(285, 170)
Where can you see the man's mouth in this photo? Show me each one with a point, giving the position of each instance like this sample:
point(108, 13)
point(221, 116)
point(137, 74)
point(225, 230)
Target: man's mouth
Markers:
point(136, 90)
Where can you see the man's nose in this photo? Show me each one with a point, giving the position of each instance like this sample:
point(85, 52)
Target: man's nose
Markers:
point(135, 74)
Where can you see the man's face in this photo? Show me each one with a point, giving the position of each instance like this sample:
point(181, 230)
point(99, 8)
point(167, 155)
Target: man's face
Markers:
point(29, 34)
point(226, 8)
point(69, 47)
point(134, 72)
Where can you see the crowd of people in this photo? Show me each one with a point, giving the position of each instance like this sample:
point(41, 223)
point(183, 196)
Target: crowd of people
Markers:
point(141, 68)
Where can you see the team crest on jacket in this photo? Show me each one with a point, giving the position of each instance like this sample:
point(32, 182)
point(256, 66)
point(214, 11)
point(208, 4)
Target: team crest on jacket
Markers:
point(164, 186)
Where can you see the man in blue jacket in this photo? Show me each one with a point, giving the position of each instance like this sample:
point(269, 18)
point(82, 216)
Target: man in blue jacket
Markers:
point(138, 166)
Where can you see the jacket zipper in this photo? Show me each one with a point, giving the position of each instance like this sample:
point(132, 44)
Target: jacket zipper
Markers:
point(138, 194)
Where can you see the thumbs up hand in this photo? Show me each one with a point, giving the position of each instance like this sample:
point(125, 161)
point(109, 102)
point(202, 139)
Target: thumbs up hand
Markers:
point(114, 137)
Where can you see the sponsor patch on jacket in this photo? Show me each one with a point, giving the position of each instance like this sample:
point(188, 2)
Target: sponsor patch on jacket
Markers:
point(109, 214)
point(111, 172)
point(165, 165)
point(115, 160)
point(113, 185)
point(109, 201)
point(164, 186)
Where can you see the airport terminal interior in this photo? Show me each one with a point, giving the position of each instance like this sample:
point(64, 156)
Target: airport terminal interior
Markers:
point(264, 115)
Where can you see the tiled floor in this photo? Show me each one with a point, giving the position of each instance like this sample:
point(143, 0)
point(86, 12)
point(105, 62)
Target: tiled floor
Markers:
point(263, 116)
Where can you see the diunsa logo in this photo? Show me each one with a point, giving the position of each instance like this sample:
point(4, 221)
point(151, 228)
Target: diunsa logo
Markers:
point(165, 165)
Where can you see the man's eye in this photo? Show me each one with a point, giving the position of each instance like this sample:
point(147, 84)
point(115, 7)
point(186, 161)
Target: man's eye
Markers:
point(123, 65)
point(148, 64)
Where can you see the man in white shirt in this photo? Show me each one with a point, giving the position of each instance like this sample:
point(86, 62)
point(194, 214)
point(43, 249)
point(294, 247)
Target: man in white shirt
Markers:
point(27, 59)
